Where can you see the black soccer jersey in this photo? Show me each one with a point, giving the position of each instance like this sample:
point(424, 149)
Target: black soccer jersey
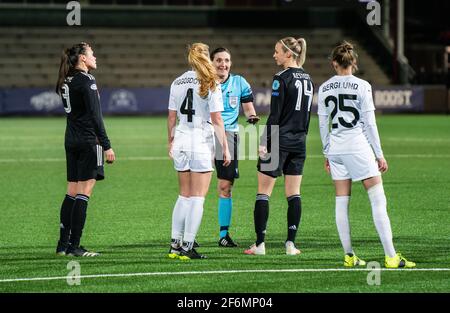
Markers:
point(84, 116)
point(290, 106)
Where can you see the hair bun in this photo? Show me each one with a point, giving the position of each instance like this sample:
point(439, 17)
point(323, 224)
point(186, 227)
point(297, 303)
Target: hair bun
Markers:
point(347, 47)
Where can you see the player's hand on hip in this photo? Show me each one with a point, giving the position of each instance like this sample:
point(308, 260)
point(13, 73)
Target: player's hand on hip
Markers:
point(226, 157)
point(110, 156)
point(327, 166)
point(382, 165)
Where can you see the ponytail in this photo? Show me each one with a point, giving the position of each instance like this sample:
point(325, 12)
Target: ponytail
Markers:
point(199, 59)
point(302, 57)
point(63, 70)
point(69, 60)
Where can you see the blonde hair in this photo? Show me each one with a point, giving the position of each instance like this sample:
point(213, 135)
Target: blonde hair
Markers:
point(297, 47)
point(198, 58)
point(345, 55)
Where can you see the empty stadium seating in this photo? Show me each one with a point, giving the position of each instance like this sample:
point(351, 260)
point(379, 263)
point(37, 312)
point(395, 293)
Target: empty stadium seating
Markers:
point(154, 57)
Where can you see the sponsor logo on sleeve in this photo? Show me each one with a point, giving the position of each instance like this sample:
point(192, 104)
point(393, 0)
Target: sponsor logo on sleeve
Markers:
point(275, 85)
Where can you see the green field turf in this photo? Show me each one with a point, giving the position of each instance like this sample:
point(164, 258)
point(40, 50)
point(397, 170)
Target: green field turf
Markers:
point(129, 216)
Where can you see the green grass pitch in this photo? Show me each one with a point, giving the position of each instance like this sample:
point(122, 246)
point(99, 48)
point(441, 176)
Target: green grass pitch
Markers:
point(129, 216)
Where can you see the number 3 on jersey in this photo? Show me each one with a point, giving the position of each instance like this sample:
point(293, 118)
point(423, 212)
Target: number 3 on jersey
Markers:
point(66, 98)
point(186, 106)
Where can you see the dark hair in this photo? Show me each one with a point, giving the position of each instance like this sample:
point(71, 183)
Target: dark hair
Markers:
point(218, 50)
point(345, 55)
point(69, 60)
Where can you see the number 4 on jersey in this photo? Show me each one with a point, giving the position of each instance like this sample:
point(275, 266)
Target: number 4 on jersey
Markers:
point(306, 89)
point(186, 106)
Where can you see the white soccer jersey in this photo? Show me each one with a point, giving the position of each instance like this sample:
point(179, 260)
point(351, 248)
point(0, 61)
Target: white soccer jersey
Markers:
point(193, 110)
point(345, 99)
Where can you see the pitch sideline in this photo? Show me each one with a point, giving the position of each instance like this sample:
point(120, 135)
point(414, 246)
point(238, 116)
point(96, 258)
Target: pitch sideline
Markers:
point(225, 272)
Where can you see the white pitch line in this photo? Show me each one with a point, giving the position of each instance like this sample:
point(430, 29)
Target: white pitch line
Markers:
point(162, 158)
point(299, 270)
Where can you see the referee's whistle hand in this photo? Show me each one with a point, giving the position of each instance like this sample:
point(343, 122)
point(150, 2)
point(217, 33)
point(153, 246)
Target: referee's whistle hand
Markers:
point(110, 156)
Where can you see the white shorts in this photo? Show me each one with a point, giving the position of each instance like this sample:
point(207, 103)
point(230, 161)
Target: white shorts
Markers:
point(193, 150)
point(353, 166)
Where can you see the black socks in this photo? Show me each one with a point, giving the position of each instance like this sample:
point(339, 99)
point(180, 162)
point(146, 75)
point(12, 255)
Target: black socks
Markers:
point(65, 219)
point(78, 219)
point(293, 216)
point(261, 215)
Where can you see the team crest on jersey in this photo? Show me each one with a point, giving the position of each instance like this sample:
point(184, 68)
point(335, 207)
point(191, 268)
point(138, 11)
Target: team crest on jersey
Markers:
point(275, 85)
point(94, 87)
point(234, 101)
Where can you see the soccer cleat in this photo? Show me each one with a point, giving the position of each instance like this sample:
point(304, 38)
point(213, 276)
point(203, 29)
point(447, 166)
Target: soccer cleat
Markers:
point(190, 255)
point(174, 253)
point(256, 250)
point(61, 248)
point(351, 260)
point(81, 252)
point(196, 245)
point(398, 261)
point(227, 242)
point(291, 249)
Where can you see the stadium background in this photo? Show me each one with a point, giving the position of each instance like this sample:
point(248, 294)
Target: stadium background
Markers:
point(140, 47)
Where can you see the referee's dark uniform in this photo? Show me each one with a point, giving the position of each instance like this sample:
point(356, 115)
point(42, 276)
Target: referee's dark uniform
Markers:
point(292, 93)
point(86, 136)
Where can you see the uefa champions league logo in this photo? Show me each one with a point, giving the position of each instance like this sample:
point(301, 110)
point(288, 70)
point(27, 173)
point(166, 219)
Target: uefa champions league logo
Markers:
point(122, 101)
point(46, 101)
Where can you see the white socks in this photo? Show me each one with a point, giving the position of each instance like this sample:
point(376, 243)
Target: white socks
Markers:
point(180, 211)
point(381, 218)
point(193, 218)
point(342, 222)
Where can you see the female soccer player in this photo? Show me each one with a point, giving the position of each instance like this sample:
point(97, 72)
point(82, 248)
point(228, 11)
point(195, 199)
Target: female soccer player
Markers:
point(235, 91)
point(196, 99)
point(347, 100)
point(85, 141)
point(283, 145)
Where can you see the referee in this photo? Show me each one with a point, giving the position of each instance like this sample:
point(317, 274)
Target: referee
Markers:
point(86, 142)
point(236, 91)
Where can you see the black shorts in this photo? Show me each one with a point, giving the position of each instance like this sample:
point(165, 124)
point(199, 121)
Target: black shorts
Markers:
point(84, 162)
point(289, 163)
point(230, 172)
